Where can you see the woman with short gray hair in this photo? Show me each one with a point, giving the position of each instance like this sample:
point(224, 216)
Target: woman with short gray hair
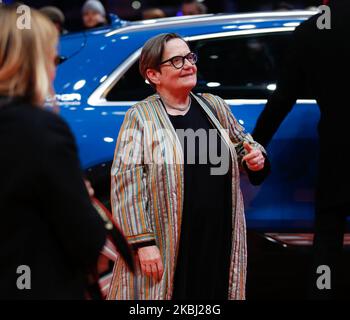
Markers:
point(180, 207)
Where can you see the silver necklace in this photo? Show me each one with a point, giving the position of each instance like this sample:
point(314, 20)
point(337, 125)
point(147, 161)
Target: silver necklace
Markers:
point(178, 109)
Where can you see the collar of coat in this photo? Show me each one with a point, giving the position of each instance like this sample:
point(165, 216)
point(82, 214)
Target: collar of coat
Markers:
point(165, 120)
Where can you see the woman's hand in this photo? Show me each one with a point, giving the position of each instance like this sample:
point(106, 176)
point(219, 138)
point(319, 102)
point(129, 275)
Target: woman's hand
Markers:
point(254, 159)
point(151, 262)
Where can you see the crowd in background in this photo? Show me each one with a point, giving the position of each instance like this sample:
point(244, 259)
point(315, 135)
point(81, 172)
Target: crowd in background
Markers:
point(94, 13)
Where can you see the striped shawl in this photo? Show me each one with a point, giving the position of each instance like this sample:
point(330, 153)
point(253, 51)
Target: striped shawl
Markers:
point(147, 194)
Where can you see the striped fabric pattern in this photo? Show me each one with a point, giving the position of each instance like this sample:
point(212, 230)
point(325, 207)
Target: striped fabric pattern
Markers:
point(147, 195)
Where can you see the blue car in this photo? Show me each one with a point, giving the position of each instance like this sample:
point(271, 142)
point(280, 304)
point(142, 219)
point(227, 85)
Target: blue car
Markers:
point(238, 59)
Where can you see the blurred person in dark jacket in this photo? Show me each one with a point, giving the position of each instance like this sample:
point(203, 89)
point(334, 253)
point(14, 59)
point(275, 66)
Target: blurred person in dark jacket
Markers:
point(51, 236)
point(316, 62)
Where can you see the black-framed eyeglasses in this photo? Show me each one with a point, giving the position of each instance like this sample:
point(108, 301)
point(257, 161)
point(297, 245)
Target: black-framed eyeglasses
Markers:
point(179, 61)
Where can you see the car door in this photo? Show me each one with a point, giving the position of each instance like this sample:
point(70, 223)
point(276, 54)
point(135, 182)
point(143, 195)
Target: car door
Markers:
point(243, 69)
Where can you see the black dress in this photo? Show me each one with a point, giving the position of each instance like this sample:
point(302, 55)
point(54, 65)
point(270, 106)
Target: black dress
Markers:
point(203, 263)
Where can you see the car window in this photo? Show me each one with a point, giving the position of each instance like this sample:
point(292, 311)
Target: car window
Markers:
point(237, 67)
point(240, 67)
point(130, 87)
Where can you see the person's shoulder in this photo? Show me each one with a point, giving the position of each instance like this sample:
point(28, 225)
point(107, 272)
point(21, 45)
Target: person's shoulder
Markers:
point(53, 121)
point(208, 96)
point(214, 100)
point(144, 106)
point(33, 127)
point(147, 102)
point(44, 123)
point(48, 121)
point(28, 116)
point(56, 129)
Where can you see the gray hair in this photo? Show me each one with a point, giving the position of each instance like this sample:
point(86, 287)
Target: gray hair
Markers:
point(152, 53)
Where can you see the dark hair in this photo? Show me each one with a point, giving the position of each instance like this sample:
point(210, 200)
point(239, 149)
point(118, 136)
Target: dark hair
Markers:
point(201, 7)
point(152, 53)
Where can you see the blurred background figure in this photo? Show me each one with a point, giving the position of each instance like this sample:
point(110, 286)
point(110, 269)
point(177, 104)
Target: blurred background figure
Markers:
point(132, 10)
point(314, 61)
point(94, 14)
point(48, 224)
point(56, 16)
point(153, 13)
point(193, 7)
point(283, 6)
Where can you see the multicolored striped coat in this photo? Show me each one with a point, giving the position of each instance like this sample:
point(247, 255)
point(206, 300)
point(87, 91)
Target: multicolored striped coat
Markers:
point(147, 195)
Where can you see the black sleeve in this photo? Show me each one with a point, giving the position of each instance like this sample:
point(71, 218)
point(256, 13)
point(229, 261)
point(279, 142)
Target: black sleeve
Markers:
point(291, 81)
point(257, 177)
point(139, 245)
point(69, 210)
